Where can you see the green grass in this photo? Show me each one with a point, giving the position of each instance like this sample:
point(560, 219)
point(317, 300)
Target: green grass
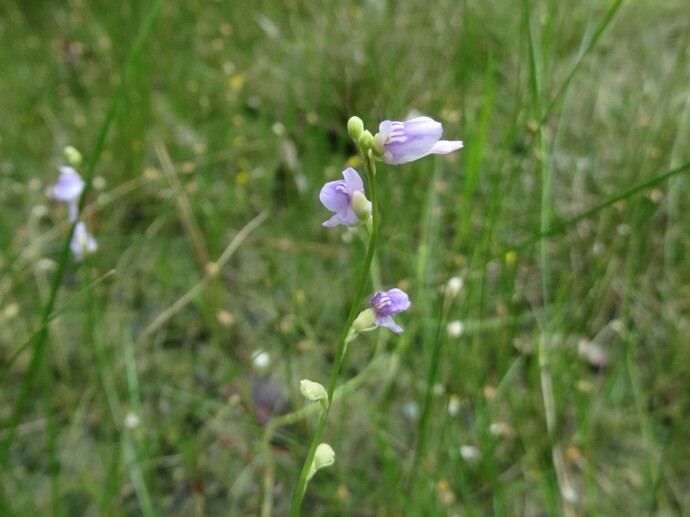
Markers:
point(130, 391)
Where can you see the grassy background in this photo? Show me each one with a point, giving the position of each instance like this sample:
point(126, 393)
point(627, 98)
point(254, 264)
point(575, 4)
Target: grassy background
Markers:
point(231, 110)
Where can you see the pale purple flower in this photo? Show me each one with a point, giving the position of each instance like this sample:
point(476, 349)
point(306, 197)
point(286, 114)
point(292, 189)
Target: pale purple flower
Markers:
point(82, 242)
point(68, 189)
point(388, 304)
point(337, 196)
point(402, 142)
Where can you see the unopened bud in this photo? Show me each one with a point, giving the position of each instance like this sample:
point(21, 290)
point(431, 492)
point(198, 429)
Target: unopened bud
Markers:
point(365, 320)
point(355, 128)
point(312, 390)
point(366, 140)
point(377, 145)
point(361, 206)
point(324, 456)
point(73, 156)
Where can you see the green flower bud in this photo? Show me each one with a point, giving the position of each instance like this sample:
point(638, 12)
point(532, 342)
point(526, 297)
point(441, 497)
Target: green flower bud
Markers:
point(355, 128)
point(377, 145)
point(73, 156)
point(312, 390)
point(365, 141)
point(361, 206)
point(365, 320)
point(324, 456)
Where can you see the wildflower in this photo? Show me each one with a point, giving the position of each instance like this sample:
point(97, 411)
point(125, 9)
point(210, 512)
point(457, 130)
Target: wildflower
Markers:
point(346, 198)
point(68, 189)
point(402, 142)
point(324, 456)
point(82, 242)
point(387, 304)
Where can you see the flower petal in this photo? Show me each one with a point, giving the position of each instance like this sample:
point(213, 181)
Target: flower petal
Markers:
point(387, 322)
point(334, 196)
point(353, 182)
point(388, 303)
point(446, 146)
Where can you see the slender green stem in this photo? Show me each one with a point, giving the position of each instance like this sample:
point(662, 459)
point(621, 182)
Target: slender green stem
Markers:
point(340, 352)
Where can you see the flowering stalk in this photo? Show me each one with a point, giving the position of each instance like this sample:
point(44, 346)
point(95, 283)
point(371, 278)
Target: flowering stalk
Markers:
point(396, 143)
point(340, 351)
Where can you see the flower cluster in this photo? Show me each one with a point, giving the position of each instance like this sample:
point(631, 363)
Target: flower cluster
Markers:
point(395, 143)
point(68, 190)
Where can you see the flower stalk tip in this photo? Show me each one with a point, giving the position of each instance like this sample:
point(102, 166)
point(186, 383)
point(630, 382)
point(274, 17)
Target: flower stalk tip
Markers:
point(355, 128)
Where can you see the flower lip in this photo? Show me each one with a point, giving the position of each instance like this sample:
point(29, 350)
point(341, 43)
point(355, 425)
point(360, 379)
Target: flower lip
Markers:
point(403, 142)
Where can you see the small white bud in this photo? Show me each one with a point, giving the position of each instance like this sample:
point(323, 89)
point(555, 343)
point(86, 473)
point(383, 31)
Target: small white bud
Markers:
point(131, 420)
point(470, 453)
point(455, 329)
point(454, 286)
point(261, 359)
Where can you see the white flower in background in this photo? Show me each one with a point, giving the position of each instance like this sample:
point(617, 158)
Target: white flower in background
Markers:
point(455, 329)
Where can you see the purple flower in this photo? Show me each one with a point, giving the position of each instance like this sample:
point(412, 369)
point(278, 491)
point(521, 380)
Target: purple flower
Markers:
point(68, 189)
point(338, 196)
point(402, 142)
point(388, 304)
point(82, 242)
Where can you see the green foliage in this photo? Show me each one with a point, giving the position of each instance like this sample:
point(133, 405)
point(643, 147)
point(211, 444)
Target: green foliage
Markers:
point(136, 391)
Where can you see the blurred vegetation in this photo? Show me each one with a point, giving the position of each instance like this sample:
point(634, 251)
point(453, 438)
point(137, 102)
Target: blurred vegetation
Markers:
point(235, 109)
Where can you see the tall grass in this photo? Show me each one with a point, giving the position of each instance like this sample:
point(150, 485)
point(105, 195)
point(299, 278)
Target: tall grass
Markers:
point(129, 381)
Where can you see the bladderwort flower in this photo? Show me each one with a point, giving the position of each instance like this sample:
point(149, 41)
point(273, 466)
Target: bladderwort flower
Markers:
point(82, 242)
point(346, 198)
point(68, 189)
point(402, 142)
point(384, 305)
point(387, 304)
